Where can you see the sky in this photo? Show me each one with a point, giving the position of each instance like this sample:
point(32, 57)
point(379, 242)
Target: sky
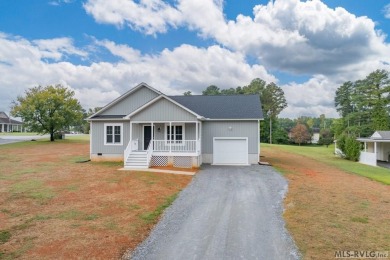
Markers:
point(100, 49)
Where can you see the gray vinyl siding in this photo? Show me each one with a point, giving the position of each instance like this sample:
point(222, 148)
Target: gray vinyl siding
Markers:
point(97, 139)
point(163, 110)
point(221, 129)
point(132, 102)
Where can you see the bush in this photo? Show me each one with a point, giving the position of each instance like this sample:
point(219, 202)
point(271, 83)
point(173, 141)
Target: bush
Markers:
point(341, 142)
point(352, 149)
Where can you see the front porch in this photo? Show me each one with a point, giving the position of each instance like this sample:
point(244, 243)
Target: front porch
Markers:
point(164, 143)
point(374, 151)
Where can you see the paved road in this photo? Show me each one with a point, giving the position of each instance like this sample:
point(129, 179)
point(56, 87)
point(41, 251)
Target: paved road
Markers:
point(225, 213)
point(6, 139)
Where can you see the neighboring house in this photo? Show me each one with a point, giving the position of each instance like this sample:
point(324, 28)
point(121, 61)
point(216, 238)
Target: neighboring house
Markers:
point(376, 148)
point(315, 136)
point(144, 128)
point(9, 125)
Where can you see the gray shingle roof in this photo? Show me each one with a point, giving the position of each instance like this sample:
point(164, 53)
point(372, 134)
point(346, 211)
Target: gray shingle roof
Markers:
point(384, 134)
point(4, 119)
point(223, 107)
point(108, 116)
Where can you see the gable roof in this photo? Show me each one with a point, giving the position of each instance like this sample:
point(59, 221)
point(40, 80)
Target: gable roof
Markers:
point(158, 98)
point(381, 135)
point(128, 93)
point(223, 107)
point(4, 119)
point(219, 107)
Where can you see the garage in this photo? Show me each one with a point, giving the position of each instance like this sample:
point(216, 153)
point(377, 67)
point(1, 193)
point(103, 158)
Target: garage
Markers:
point(230, 151)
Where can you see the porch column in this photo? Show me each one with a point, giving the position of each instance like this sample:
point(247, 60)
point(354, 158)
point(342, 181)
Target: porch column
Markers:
point(131, 135)
point(152, 137)
point(365, 146)
point(375, 149)
point(196, 136)
point(196, 132)
point(170, 136)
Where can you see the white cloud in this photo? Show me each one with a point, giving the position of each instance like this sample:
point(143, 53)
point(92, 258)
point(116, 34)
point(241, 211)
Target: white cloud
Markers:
point(304, 37)
point(23, 65)
point(386, 11)
point(120, 50)
point(57, 48)
point(60, 2)
point(148, 16)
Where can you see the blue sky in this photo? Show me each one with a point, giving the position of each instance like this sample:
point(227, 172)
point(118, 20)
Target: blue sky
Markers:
point(100, 49)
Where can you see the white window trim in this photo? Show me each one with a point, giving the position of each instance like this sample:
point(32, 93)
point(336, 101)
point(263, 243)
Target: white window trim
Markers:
point(168, 142)
point(113, 129)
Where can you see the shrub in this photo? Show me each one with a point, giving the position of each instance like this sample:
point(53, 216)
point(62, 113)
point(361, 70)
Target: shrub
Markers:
point(352, 149)
point(341, 142)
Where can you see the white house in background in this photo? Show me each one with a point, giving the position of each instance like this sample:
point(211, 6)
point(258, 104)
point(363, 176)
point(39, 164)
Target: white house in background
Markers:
point(376, 148)
point(316, 136)
point(144, 128)
point(9, 125)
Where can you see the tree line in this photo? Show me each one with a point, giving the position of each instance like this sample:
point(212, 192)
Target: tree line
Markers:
point(364, 105)
point(364, 108)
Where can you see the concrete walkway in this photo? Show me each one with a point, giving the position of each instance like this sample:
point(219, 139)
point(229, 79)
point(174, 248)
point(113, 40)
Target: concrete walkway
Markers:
point(225, 213)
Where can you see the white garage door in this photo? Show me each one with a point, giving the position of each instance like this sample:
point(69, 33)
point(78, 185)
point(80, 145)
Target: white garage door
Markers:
point(230, 151)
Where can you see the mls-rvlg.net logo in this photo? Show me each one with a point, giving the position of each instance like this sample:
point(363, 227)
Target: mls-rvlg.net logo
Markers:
point(361, 254)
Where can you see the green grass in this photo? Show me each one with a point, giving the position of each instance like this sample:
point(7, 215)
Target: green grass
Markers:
point(80, 137)
point(18, 133)
point(326, 155)
point(5, 235)
point(363, 220)
point(34, 189)
point(151, 217)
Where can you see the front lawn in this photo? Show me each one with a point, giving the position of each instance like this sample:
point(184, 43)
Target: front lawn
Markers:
point(326, 155)
point(330, 207)
point(54, 205)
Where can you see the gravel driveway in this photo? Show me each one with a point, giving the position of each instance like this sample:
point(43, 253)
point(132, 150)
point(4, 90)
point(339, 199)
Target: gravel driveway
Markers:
point(225, 213)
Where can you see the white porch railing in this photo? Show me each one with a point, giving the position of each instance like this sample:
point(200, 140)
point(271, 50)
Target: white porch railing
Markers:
point(368, 158)
point(183, 146)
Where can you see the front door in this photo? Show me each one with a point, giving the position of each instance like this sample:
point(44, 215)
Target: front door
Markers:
point(147, 136)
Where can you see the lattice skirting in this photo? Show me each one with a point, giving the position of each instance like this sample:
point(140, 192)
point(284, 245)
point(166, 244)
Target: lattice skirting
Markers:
point(159, 161)
point(182, 161)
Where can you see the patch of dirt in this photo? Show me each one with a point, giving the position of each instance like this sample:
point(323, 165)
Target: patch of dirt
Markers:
point(328, 209)
point(69, 210)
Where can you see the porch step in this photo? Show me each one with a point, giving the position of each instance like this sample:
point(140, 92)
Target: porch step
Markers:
point(137, 160)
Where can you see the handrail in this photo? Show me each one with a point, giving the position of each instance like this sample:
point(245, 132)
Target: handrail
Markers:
point(149, 152)
point(127, 152)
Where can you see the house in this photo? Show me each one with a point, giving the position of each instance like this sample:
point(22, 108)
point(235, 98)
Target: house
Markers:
point(376, 148)
point(145, 127)
point(9, 125)
point(315, 138)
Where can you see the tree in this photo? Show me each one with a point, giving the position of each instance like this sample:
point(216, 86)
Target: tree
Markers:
point(272, 99)
point(48, 109)
point(187, 93)
point(343, 98)
point(211, 90)
point(364, 104)
point(91, 111)
point(299, 134)
point(352, 149)
point(326, 137)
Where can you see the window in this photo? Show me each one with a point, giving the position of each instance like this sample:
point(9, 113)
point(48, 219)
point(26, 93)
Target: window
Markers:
point(175, 134)
point(113, 134)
